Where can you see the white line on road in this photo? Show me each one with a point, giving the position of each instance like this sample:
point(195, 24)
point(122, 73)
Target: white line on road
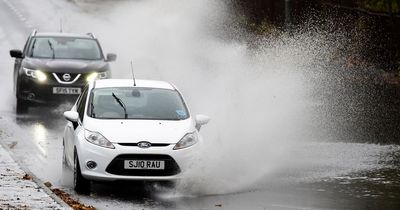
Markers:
point(20, 16)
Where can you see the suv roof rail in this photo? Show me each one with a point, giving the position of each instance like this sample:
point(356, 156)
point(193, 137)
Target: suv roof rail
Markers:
point(92, 35)
point(34, 32)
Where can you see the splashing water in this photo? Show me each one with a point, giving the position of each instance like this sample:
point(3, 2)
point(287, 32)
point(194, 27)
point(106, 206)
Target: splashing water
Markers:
point(259, 99)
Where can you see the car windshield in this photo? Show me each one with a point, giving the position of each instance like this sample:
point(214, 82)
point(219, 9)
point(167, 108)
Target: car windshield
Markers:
point(65, 48)
point(137, 103)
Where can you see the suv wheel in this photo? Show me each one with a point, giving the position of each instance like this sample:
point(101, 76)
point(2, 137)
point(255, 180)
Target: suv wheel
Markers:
point(81, 185)
point(22, 106)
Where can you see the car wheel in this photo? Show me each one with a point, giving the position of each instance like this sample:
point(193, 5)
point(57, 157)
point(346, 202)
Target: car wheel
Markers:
point(66, 172)
point(22, 106)
point(81, 185)
point(64, 157)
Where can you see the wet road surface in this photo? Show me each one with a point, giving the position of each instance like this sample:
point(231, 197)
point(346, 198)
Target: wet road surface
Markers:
point(317, 175)
point(311, 174)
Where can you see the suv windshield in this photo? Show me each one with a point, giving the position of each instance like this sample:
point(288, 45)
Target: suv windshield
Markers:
point(137, 103)
point(65, 48)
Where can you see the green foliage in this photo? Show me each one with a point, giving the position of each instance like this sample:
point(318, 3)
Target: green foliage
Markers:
point(265, 27)
point(389, 6)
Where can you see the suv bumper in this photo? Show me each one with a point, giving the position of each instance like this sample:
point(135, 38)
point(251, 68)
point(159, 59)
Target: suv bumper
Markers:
point(41, 92)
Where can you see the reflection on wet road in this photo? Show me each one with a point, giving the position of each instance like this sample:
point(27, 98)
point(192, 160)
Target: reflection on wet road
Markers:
point(310, 175)
point(36, 139)
point(313, 176)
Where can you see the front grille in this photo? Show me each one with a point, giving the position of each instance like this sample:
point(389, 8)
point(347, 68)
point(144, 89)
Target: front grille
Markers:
point(72, 78)
point(117, 166)
point(136, 144)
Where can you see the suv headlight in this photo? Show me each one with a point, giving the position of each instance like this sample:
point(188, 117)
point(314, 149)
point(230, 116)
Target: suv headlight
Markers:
point(98, 139)
point(188, 140)
point(36, 74)
point(96, 75)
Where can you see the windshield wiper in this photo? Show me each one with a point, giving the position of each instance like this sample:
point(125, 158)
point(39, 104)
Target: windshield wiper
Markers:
point(52, 49)
point(121, 103)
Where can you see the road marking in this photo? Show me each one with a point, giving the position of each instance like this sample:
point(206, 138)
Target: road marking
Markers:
point(291, 207)
point(20, 16)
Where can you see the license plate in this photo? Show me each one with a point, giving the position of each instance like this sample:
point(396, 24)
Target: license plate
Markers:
point(66, 90)
point(144, 164)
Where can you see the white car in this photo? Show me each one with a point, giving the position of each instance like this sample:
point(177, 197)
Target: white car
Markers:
point(126, 130)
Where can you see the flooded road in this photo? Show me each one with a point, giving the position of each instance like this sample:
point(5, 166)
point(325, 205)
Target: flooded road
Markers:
point(314, 175)
point(336, 171)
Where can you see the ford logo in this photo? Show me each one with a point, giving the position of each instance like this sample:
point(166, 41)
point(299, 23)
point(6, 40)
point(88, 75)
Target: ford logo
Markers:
point(144, 144)
point(66, 77)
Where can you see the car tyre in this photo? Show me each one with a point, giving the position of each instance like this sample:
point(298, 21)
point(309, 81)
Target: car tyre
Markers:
point(64, 158)
point(22, 106)
point(66, 170)
point(81, 185)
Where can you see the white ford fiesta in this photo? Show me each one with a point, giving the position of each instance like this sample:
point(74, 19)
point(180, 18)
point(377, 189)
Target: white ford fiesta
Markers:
point(126, 130)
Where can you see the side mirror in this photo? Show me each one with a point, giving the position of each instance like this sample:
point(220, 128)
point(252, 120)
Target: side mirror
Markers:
point(16, 54)
point(111, 57)
point(201, 120)
point(71, 116)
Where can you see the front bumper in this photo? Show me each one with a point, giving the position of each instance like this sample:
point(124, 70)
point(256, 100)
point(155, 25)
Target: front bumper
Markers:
point(42, 92)
point(110, 162)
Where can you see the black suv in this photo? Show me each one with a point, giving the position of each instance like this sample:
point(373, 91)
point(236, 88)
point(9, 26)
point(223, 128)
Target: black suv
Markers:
point(54, 67)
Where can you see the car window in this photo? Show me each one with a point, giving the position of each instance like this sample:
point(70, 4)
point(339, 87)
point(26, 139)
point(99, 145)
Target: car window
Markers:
point(65, 48)
point(140, 103)
point(81, 103)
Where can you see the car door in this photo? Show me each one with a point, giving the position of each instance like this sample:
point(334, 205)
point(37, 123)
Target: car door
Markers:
point(18, 63)
point(73, 129)
point(68, 139)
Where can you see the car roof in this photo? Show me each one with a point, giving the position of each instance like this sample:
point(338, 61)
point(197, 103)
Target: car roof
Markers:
point(103, 83)
point(55, 34)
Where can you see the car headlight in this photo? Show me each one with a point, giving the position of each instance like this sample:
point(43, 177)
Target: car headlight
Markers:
point(36, 74)
point(40, 76)
point(188, 140)
point(98, 139)
point(96, 75)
